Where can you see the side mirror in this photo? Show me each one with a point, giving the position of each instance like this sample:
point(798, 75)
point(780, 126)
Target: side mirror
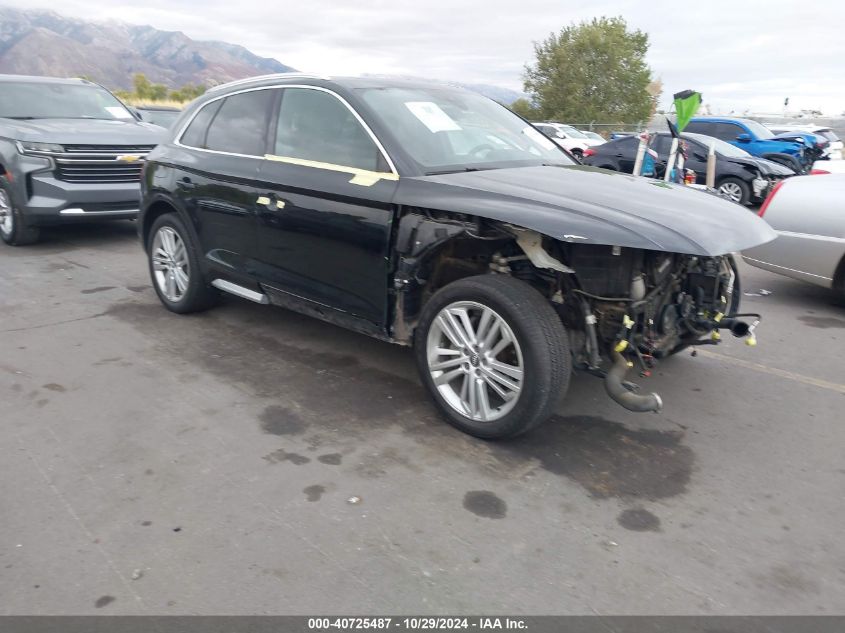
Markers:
point(744, 138)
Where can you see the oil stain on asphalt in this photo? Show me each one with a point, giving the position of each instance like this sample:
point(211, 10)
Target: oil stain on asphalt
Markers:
point(332, 459)
point(823, 323)
point(639, 520)
point(313, 493)
point(282, 455)
point(277, 420)
point(485, 504)
point(103, 601)
point(607, 458)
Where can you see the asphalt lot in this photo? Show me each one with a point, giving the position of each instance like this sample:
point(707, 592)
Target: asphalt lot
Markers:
point(153, 463)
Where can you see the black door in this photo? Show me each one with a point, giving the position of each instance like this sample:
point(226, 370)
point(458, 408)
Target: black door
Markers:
point(325, 216)
point(219, 184)
point(626, 153)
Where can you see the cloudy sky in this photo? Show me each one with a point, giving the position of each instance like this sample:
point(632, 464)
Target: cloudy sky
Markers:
point(740, 53)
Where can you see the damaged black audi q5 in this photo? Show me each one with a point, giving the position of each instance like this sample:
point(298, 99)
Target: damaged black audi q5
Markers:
point(431, 216)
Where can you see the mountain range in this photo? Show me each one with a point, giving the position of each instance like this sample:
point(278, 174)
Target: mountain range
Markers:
point(38, 42)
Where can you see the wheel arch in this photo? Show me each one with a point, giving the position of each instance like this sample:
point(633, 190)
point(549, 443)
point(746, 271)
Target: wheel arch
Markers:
point(435, 249)
point(839, 275)
point(155, 209)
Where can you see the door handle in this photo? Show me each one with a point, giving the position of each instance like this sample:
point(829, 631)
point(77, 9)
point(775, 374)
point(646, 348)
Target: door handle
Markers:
point(265, 201)
point(186, 183)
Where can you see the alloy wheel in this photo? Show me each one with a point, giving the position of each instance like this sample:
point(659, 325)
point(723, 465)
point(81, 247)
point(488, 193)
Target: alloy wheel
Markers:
point(732, 191)
point(475, 361)
point(7, 218)
point(170, 263)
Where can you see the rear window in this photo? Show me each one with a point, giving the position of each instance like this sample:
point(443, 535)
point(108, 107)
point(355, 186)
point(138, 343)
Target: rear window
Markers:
point(194, 136)
point(240, 125)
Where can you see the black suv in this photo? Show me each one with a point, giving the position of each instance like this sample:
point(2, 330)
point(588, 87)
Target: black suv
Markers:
point(432, 216)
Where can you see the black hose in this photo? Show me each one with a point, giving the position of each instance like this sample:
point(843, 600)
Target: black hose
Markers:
point(590, 329)
point(639, 403)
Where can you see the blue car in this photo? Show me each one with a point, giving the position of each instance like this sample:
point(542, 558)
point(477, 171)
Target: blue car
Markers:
point(756, 139)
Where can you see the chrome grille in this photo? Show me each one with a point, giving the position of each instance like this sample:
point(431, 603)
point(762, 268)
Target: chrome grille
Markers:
point(100, 163)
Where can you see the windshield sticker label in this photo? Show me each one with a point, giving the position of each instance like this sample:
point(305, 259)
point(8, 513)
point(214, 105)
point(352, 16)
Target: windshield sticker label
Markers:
point(432, 116)
point(117, 112)
point(538, 137)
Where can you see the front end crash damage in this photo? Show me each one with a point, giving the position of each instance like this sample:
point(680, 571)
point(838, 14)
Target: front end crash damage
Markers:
point(623, 308)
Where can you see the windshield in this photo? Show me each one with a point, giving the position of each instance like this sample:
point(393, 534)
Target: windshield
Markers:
point(721, 147)
point(571, 132)
point(758, 129)
point(446, 130)
point(830, 135)
point(164, 118)
point(26, 100)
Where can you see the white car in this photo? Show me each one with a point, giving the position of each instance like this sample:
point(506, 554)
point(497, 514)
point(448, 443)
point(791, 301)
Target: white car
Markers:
point(834, 150)
point(597, 139)
point(828, 167)
point(571, 144)
point(806, 213)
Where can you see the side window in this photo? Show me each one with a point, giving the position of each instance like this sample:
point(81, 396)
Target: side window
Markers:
point(194, 136)
point(240, 126)
point(728, 131)
point(699, 127)
point(315, 125)
point(627, 144)
point(662, 144)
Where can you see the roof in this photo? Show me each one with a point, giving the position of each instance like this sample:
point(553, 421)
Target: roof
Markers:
point(373, 81)
point(717, 119)
point(45, 80)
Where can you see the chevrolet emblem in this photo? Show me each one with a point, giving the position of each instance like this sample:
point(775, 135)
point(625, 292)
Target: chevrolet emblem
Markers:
point(129, 158)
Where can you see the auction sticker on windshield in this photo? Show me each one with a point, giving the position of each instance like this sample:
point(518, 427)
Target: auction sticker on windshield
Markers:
point(432, 116)
point(118, 113)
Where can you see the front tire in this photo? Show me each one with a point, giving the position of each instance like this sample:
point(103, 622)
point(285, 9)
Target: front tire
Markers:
point(174, 267)
point(13, 230)
point(734, 190)
point(493, 354)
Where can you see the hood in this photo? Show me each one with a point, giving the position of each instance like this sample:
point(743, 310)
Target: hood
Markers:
point(807, 138)
point(586, 205)
point(84, 131)
point(776, 145)
point(765, 166)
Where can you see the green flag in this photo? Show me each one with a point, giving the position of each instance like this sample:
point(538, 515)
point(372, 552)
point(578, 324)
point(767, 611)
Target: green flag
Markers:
point(686, 105)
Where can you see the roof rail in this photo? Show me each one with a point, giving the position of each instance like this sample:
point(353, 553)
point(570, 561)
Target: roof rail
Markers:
point(238, 82)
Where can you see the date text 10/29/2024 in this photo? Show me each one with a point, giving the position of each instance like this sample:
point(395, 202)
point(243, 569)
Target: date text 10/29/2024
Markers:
point(415, 624)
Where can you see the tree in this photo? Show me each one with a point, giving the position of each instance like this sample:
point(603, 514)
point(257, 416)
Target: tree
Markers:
point(524, 108)
point(654, 90)
point(593, 71)
point(141, 85)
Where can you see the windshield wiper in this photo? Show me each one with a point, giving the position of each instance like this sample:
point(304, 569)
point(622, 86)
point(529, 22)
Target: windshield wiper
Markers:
point(457, 171)
point(21, 118)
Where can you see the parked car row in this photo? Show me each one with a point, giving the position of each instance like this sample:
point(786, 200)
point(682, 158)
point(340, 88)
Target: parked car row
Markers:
point(572, 140)
point(740, 177)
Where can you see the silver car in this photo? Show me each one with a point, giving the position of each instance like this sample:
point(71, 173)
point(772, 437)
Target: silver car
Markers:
point(808, 214)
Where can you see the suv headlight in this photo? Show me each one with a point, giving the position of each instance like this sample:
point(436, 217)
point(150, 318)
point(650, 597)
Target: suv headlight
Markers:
point(30, 147)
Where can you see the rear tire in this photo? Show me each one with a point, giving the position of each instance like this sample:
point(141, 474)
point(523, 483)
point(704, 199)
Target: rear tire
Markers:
point(493, 354)
point(13, 229)
point(175, 269)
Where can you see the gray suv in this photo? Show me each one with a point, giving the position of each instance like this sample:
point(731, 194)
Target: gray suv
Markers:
point(69, 151)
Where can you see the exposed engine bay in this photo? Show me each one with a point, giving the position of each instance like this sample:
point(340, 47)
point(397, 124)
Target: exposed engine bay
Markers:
point(622, 308)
